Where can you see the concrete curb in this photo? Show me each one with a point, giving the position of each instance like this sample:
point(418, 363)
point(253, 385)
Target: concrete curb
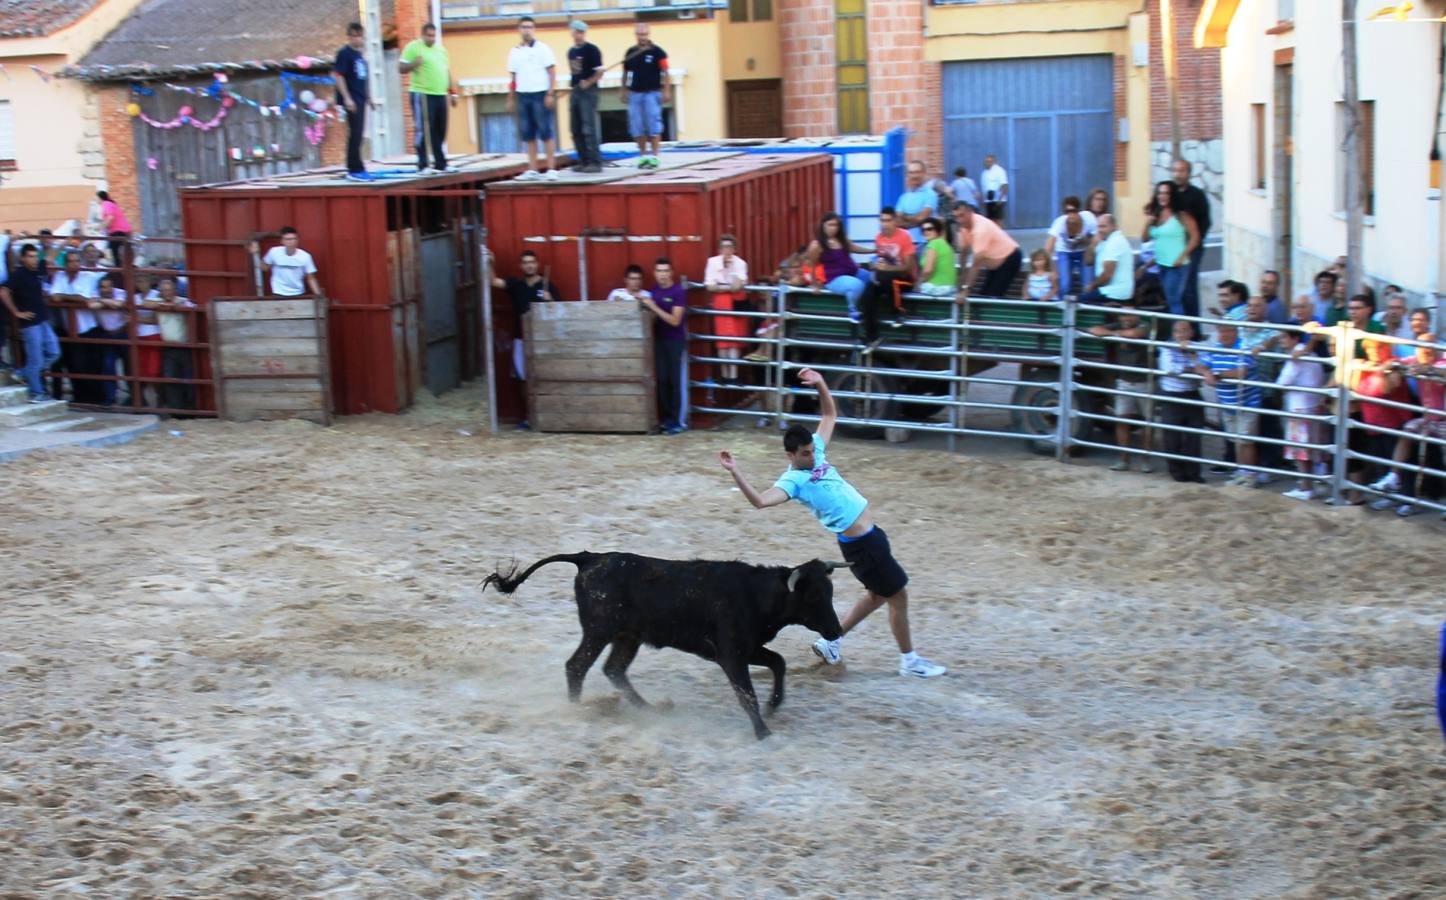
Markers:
point(110, 437)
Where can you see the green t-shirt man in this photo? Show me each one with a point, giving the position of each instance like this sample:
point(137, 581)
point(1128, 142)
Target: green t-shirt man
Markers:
point(432, 75)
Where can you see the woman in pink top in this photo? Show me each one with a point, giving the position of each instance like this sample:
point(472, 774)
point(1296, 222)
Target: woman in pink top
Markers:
point(113, 222)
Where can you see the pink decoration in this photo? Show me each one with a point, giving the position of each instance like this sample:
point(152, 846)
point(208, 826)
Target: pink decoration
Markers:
point(228, 101)
point(222, 77)
point(185, 111)
point(303, 62)
point(318, 105)
point(151, 163)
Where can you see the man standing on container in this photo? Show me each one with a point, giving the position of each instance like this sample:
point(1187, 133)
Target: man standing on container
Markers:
point(645, 87)
point(352, 88)
point(532, 68)
point(584, 60)
point(432, 88)
point(1192, 200)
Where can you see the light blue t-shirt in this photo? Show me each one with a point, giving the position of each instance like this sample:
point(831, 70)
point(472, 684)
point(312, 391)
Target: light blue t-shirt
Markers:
point(911, 203)
point(824, 491)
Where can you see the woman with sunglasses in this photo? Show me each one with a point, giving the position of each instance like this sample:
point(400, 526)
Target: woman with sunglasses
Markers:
point(937, 274)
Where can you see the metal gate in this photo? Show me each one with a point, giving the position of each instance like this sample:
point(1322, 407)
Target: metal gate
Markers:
point(442, 358)
point(1050, 121)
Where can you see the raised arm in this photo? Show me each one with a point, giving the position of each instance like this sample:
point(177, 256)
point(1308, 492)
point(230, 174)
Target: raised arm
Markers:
point(828, 413)
point(771, 497)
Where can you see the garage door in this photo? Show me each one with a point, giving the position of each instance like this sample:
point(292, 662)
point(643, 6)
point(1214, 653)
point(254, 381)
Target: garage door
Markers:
point(1049, 120)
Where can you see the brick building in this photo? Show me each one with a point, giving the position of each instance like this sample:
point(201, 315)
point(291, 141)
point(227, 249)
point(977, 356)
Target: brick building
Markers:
point(170, 56)
point(1069, 94)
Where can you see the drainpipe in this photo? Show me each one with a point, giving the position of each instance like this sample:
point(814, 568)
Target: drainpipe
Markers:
point(1438, 290)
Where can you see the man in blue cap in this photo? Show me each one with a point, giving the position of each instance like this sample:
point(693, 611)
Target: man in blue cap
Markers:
point(584, 60)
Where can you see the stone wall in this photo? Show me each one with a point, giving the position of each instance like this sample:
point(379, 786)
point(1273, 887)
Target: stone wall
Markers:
point(1207, 161)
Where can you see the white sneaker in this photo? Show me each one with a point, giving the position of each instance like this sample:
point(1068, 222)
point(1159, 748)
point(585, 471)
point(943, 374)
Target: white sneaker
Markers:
point(1300, 494)
point(921, 668)
point(1388, 483)
point(1382, 503)
point(530, 175)
point(827, 651)
point(1406, 510)
point(550, 175)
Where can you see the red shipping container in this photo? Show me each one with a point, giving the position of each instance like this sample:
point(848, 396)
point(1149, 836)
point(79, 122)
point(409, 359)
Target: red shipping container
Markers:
point(365, 238)
point(770, 202)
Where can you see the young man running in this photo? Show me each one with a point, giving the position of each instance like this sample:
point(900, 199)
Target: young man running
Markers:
point(812, 481)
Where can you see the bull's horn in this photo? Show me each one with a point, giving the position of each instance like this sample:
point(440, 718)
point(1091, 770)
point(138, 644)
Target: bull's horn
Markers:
point(835, 565)
point(793, 579)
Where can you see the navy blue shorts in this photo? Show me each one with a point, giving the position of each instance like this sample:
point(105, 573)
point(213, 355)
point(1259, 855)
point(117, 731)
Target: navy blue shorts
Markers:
point(873, 563)
point(534, 119)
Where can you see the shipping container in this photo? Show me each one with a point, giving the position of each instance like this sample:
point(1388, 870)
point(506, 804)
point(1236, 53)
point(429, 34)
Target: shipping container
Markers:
point(398, 258)
point(586, 230)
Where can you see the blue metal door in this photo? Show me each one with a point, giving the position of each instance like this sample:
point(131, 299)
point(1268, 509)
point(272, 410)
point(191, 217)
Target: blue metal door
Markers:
point(1050, 122)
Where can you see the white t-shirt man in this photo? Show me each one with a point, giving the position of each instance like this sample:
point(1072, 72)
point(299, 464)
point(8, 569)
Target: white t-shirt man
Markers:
point(529, 65)
point(289, 271)
point(622, 295)
point(1116, 248)
point(84, 284)
point(992, 180)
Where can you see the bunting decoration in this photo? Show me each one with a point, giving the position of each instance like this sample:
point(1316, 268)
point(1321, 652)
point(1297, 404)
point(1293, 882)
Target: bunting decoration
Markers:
point(304, 101)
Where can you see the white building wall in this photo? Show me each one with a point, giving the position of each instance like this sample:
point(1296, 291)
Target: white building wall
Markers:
point(1398, 65)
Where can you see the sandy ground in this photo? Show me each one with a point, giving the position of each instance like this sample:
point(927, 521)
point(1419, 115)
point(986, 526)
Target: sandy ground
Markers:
point(254, 661)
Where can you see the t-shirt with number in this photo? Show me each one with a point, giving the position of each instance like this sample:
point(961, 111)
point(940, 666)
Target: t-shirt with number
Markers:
point(583, 61)
point(834, 502)
point(289, 271)
point(352, 67)
point(645, 68)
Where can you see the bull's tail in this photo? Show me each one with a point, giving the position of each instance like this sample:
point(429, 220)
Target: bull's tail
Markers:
point(509, 581)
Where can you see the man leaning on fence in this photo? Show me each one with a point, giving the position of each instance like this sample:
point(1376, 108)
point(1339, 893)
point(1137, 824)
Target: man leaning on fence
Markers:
point(1226, 365)
point(1180, 399)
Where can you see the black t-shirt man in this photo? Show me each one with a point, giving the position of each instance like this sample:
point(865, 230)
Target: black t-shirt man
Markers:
point(583, 61)
point(524, 294)
point(646, 66)
point(27, 292)
point(1193, 201)
point(353, 68)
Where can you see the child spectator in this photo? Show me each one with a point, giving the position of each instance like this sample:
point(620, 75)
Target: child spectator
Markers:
point(1241, 420)
point(632, 289)
point(669, 302)
point(1303, 370)
point(724, 277)
point(1180, 406)
point(1043, 283)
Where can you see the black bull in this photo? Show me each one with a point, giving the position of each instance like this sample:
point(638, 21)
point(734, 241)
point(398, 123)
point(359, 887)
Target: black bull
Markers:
point(721, 611)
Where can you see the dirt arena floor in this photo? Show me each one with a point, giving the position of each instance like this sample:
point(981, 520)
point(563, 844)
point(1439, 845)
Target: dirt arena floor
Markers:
point(254, 661)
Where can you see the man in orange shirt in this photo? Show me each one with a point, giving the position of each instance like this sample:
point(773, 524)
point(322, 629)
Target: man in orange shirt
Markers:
point(986, 246)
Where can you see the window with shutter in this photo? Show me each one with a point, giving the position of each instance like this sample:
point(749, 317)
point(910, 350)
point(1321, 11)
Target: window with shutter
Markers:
point(7, 136)
point(852, 60)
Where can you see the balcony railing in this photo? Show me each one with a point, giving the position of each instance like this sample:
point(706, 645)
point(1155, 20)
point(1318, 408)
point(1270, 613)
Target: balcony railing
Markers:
point(473, 10)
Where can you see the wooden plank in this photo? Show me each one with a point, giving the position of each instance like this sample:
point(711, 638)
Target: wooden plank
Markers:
point(608, 422)
point(579, 330)
point(555, 403)
point(273, 347)
point(227, 310)
point(241, 402)
point(260, 415)
point(248, 329)
point(279, 366)
point(277, 385)
point(645, 387)
point(554, 369)
point(628, 348)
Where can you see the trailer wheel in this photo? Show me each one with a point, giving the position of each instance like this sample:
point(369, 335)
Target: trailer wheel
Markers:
point(1041, 420)
point(859, 408)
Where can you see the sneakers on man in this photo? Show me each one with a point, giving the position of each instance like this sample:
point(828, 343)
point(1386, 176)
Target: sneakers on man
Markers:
point(550, 175)
point(1388, 483)
point(359, 176)
point(1382, 503)
point(1406, 510)
point(827, 651)
point(1300, 494)
point(919, 667)
point(530, 175)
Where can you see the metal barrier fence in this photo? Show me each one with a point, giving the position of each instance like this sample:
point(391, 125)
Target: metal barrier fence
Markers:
point(1072, 374)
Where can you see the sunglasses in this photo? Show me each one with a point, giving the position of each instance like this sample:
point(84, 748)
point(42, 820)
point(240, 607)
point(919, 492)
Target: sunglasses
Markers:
point(927, 228)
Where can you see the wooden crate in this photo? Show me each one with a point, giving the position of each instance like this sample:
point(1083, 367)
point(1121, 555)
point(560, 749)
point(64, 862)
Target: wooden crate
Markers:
point(590, 367)
point(270, 359)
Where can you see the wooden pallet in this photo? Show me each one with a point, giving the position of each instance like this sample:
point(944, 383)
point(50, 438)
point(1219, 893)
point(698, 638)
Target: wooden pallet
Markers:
point(590, 367)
